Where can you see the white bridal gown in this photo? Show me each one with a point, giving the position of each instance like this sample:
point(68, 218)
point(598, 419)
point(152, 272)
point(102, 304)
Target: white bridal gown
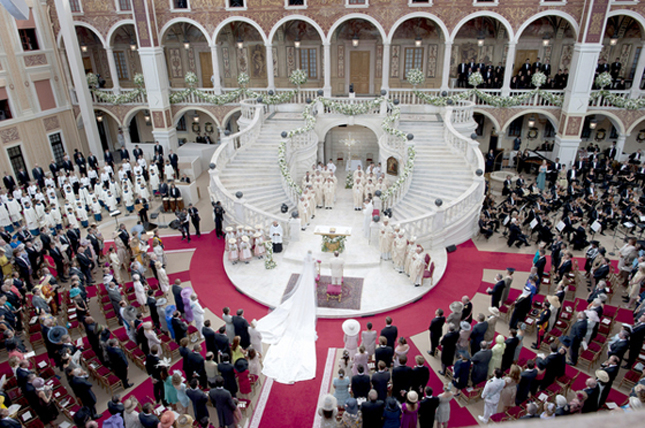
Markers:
point(291, 331)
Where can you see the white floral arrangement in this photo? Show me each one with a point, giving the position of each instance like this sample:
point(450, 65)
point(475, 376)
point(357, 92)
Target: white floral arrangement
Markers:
point(269, 263)
point(349, 181)
point(353, 109)
point(139, 80)
point(243, 79)
point(92, 80)
point(405, 175)
point(298, 77)
point(538, 79)
point(618, 101)
point(491, 99)
point(388, 122)
point(310, 122)
point(476, 79)
point(272, 99)
point(191, 79)
point(604, 80)
point(415, 77)
point(284, 168)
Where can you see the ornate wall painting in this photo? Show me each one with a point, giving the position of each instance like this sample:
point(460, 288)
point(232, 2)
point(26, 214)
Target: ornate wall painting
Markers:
point(625, 51)
point(341, 60)
point(174, 58)
point(565, 58)
point(454, 60)
point(226, 62)
point(258, 64)
point(243, 60)
point(379, 61)
point(395, 62)
point(275, 61)
point(191, 60)
point(291, 59)
point(431, 67)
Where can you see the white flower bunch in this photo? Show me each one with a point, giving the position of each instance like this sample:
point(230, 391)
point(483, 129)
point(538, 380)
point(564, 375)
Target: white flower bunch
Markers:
point(415, 77)
point(476, 79)
point(603, 80)
point(191, 79)
point(243, 79)
point(538, 79)
point(298, 77)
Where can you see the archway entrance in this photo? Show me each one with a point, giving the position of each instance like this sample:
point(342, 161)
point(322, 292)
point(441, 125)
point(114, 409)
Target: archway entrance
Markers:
point(364, 150)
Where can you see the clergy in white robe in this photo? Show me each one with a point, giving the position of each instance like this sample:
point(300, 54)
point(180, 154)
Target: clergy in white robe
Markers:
point(275, 232)
point(337, 267)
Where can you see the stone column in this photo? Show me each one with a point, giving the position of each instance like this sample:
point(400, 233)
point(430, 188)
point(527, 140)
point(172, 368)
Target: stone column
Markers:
point(78, 75)
point(508, 68)
point(581, 74)
point(269, 62)
point(327, 67)
point(385, 79)
point(640, 66)
point(112, 66)
point(445, 76)
point(565, 148)
point(217, 86)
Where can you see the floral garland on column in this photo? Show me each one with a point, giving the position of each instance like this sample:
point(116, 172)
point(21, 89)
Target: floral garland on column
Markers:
point(602, 81)
point(116, 99)
point(407, 172)
point(269, 263)
point(416, 78)
point(284, 168)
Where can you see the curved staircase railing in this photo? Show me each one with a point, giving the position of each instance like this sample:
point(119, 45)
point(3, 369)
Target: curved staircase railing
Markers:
point(237, 209)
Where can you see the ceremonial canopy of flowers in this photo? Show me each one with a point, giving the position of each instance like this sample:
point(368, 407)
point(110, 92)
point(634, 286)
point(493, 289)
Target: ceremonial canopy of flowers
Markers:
point(475, 80)
point(116, 99)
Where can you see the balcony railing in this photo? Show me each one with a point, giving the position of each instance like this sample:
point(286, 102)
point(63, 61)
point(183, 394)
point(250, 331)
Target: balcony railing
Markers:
point(601, 101)
point(139, 100)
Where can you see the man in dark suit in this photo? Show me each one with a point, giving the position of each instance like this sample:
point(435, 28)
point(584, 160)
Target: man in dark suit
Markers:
point(241, 326)
point(196, 367)
point(92, 161)
point(108, 158)
point(8, 422)
point(611, 367)
point(118, 362)
point(137, 152)
point(176, 293)
point(619, 348)
point(448, 348)
point(179, 326)
point(615, 69)
point(199, 399)
point(477, 333)
point(23, 177)
point(480, 362)
point(83, 391)
point(428, 409)
point(174, 161)
point(383, 352)
point(509, 351)
point(390, 332)
point(540, 264)
point(9, 182)
point(546, 68)
point(152, 360)
point(24, 268)
point(436, 330)
point(526, 382)
point(67, 164)
point(372, 410)
point(223, 402)
point(636, 341)
point(578, 332)
point(554, 364)
point(147, 417)
point(420, 375)
point(125, 155)
point(227, 371)
point(380, 380)
point(537, 66)
point(496, 291)
point(401, 379)
point(593, 392)
point(360, 384)
point(39, 176)
point(222, 342)
point(209, 338)
point(158, 149)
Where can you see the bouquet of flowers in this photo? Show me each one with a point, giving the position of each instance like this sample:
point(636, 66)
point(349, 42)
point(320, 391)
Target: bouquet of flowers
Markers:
point(415, 77)
point(298, 77)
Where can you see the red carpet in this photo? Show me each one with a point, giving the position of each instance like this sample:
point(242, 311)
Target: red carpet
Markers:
point(295, 405)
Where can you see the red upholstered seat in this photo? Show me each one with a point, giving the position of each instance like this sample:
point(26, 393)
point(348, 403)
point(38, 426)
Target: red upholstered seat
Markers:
point(633, 376)
point(173, 346)
point(594, 347)
point(103, 371)
point(192, 329)
point(334, 290)
point(35, 337)
point(515, 412)
point(554, 388)
point(89, 354)
point(609, 311)
point(112, 380)
point(130, 345)
point(499, 417)
point(138, 353)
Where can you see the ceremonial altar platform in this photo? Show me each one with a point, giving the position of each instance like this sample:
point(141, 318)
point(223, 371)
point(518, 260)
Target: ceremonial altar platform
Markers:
point(374, 285)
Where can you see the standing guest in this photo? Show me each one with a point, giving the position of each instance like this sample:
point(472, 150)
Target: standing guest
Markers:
point(368, 339)
point(341, 386)
point(118, 362)
point(380, 381)
point(401, 379)
point(526, 382)
point(241, 326)
point(491, 395)
point(199, 399)
point(83, 391)
point(328, 412)
point(456, 309)
point(508, 357)
point(427, 409)
point(352, 418)
point(392, 413)
point(194, 218)
point(436, 330)
point(497, 291)
point(478, 333)
point(218, 217)
point(461, 371)
point(578, 332)
point(507, 396)
point(180, 389)
point(147, 417)
point(410, 410)
point(179, 326)
point(176, 292)
point(448, 348)
point(467, 313)
point(360, 359)
point(223, 402)
point(154, 371)
point(372, 411)
point(276, 236)
point(360, 384)
point(130, 413)
point(420, 375)
point(481, 361)
point(390, 332)
point(443, 411)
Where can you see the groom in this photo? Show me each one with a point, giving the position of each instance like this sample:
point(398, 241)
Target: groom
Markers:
point(337, 265)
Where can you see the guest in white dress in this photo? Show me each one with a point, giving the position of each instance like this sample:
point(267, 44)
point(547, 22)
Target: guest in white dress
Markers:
point(164, 281)
point(351, 328)
point(198, 314)
point(149, 333)
point(256, 336)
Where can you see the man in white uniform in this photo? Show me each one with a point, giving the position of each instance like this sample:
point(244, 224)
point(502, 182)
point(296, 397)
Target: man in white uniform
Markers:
point(337, 265)
point(491, 395)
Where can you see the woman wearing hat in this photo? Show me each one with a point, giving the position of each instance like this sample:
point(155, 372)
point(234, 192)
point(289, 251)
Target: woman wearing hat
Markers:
point(392, 413)
point(151, 335)
point(79, 303)
point(410, 410)
point(259, 249)
point(456, 309)
point(245, 250)
point(180, 389)
point(162, 276)
point(232, 250)
point(186, 421)
point(352, 417)
point(328, 411)
point(351, 328)
point(498, 351)
point(167, 419)
point(443, 411)
point(463, 344)
point(130, 414)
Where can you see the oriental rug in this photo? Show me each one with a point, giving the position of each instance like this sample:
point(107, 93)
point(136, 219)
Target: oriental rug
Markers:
point(350, 299)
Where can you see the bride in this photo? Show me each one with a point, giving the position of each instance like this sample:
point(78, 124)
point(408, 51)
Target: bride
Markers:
point(291, 331)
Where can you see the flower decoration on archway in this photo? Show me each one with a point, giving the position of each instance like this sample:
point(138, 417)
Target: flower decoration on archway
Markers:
point(603, 81)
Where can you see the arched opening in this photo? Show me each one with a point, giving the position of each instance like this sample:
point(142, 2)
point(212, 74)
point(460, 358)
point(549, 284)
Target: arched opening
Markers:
point(365, 148)
point(230, 121)
point(109, 130)
point(126, 57)
point(545, 45)
point(487, 135)
point(479, 45)
point(196, 126)
point(601, 130)
point(94, 56)
point(242, 50)
point(301, 44)
point(420, 43)
point(357, 57)
point(621, 50)
point(140, 127)
point(635, 136)
point(187, 50)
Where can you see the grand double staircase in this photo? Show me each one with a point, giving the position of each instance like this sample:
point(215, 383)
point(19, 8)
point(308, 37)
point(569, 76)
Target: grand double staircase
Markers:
point(438, 203)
